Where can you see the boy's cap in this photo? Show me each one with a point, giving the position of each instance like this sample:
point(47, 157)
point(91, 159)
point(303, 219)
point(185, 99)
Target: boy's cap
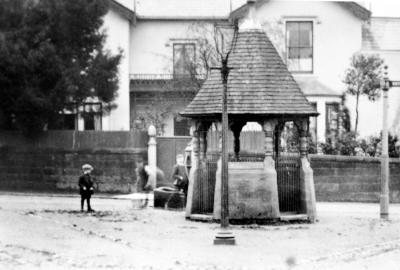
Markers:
point(87, 167)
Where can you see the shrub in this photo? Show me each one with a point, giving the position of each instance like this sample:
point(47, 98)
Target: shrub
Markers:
point(348, 145)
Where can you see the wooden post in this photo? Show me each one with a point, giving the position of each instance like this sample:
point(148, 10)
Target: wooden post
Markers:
point(203, 139)
point(303, 132)
point(202, 142)
point(236, 129)
point(269, 128)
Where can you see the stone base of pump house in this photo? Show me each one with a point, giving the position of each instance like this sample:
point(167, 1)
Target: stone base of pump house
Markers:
point(255, 196)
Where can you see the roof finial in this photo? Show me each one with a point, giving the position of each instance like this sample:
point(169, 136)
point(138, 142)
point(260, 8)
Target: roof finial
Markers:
point(250, 21)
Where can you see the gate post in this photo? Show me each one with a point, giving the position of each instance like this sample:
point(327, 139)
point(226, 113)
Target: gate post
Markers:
point(193, 175)
point(152, 150)
point(306, 173)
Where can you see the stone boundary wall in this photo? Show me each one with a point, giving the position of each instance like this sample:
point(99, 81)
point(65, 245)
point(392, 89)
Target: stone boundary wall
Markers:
point(52, 162)
point(352, 179)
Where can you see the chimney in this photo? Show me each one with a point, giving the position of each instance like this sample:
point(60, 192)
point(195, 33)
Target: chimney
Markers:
point(250, 21)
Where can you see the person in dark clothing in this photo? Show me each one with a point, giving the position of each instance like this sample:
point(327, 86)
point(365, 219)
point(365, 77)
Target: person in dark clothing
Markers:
point(141, 176)
point(180, 175)
point(86, 186)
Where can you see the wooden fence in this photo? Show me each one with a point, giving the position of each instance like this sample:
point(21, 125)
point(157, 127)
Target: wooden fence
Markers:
point(250, 141)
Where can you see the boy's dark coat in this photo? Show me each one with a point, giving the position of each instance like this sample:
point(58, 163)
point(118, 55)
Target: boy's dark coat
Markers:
point(86, 181)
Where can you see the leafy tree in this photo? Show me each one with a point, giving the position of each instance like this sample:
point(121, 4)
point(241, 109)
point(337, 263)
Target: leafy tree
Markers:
point(52, 58)
point(363, 77)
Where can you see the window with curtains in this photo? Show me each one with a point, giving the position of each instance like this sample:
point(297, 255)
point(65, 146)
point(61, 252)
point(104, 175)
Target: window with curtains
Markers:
point(332, 120)
point(299, 46)
point(92, 116)
point(313, 125)
point(184, 59)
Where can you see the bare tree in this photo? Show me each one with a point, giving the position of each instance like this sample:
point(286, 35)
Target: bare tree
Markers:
point(212, 41)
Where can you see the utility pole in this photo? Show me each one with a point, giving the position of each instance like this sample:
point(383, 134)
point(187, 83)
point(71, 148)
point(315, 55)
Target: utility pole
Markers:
point(385, 195)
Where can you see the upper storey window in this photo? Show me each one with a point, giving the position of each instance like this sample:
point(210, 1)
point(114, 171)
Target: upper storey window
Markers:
point(184, 59)
point(299, 46)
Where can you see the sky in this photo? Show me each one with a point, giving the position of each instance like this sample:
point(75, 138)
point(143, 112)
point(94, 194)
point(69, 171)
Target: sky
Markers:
point(384, 8)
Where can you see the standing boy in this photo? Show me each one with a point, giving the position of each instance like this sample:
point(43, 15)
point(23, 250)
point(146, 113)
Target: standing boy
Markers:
point(86, 186)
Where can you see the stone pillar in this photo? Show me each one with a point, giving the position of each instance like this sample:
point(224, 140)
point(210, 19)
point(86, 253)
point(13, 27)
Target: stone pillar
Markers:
point(152, 162)
point(269, 164)
point(152, 149)
point(306, 173)
point(217, 190)
point(192, 197)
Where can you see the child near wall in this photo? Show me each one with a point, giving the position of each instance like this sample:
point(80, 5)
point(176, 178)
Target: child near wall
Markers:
point(180, 175)
point(86, 186)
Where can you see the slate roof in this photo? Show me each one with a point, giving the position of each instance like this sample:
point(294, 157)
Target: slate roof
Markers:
point(381, 34)
point(355, 8)
point(122, 9)
point(259, 84)
point(311, 86)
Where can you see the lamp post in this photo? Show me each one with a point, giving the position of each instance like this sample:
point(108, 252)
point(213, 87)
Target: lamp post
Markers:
point(224, 237)
point(225, 153)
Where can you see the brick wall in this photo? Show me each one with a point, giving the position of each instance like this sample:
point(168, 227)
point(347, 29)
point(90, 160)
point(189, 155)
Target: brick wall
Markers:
point(53, 166)
point(352, 179)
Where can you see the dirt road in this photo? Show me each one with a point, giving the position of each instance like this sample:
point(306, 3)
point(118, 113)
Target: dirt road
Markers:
point(46, 232)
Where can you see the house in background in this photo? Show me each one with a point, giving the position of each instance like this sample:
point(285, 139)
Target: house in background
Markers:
point(316, 40)
point(163, 40)
point(381, 36)
point(166, 68)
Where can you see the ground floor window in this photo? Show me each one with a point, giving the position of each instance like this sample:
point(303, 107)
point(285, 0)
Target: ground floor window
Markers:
point(85, 117)
point(332, 121)
point(181, 126)
point(313, 125)
point(69, 121)
point(92, 115)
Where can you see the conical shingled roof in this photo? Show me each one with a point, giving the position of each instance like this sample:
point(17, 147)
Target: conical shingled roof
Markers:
point(258, 84)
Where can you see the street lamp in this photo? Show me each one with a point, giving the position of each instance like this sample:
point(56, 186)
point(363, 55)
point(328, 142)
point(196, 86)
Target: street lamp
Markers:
point(225, 237)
